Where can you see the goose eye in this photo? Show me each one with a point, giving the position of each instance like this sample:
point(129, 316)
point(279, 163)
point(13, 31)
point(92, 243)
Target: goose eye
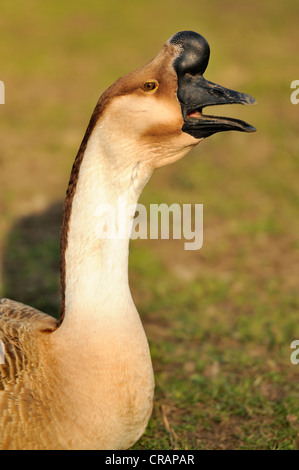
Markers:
point(150, 86)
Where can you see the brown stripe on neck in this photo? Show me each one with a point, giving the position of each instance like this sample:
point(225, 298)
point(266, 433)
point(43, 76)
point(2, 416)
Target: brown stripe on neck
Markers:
point(115, 89)
point(67, 208)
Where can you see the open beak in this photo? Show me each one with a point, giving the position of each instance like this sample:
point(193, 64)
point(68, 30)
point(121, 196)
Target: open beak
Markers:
point(195, 93)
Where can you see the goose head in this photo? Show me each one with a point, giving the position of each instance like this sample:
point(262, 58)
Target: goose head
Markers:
point(154, 115)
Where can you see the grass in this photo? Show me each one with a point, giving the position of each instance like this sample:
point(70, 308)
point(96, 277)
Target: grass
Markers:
point(222, 370)
point(219, 321)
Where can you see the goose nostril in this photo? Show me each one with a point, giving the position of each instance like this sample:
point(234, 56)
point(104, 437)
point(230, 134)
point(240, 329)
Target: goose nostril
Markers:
point(217, 92)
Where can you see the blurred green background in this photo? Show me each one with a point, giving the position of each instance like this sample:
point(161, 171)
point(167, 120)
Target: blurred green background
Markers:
point(219, 320)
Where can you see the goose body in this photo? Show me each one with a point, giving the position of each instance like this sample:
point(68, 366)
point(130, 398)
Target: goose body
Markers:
point(86, 381)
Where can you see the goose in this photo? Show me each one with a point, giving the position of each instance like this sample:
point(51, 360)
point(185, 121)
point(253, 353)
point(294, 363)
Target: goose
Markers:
point(86, 381)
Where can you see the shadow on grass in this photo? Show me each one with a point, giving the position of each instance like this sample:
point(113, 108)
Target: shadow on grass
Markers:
point(31, 261)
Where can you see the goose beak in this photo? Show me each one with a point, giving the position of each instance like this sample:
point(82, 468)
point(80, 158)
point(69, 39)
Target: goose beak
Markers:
point(196, 93)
